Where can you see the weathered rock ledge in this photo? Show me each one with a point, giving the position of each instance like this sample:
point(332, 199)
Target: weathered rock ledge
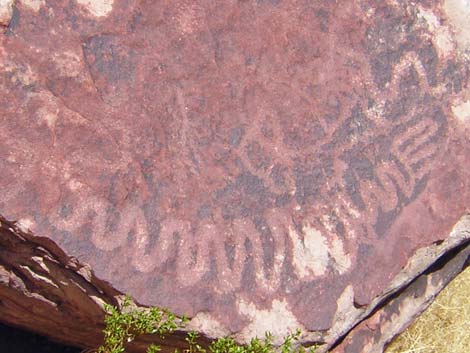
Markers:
point(45, 291)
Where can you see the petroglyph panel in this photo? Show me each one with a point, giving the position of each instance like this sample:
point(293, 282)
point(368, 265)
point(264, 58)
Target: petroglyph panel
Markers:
point(236, 158)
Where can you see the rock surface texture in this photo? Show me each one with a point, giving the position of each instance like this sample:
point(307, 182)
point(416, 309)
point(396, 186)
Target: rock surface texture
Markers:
point(257, 165)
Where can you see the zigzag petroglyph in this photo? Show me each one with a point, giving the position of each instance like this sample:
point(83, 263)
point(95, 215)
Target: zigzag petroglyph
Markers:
point(378, 176)
point(241, 240)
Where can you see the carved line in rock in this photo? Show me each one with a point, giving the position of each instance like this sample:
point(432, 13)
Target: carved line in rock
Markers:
point(312, 251)
point(379, 185)
point(311, 256)
point(394, 182)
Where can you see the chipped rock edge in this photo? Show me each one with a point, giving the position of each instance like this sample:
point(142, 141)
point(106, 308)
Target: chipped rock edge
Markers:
point(98, 292)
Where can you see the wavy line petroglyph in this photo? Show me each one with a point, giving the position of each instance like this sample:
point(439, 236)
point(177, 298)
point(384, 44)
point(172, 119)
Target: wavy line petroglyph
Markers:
point(315, 248)
point(194, 248)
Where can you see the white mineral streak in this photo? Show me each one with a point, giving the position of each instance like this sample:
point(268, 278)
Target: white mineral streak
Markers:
point(346, 313)
point(23, 74)
point(69, 63)
point(85, 272)
point(100, 302)
point(277, 320)
point(38, 277)
point(462, 112)
point(458, 13)
point(25, 225)
point(310, 255)
point(341, 260)
point(40, 261)
point(98, 8)
point(50, 118)
point(441, 35)
point(345, 302)
point(6, 11)
point(34, 5)
point(204, 322)
point(48, 111)
point(462, 228)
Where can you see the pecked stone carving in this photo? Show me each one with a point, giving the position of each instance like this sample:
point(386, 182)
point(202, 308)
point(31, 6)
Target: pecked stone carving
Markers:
point(233, 159)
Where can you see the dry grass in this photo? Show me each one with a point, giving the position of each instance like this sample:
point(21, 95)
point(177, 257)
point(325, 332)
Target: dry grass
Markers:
point(444, 327)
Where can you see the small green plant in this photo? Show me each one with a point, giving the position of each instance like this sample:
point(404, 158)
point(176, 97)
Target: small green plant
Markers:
point(123, 326)
point(256, 345)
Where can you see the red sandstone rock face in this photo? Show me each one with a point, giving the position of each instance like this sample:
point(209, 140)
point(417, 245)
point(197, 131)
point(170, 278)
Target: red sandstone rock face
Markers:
point(236, 161)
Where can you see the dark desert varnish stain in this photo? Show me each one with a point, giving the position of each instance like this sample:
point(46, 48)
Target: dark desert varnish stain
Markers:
point(204, 156)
